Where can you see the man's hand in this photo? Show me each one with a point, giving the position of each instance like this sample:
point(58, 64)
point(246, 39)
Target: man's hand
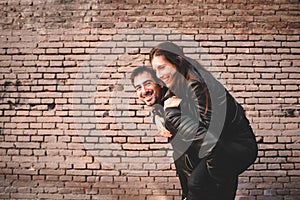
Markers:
point(172, 102)
point(161, 129)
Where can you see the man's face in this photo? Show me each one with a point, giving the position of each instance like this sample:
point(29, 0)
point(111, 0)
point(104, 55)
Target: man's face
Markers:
point(146, 89)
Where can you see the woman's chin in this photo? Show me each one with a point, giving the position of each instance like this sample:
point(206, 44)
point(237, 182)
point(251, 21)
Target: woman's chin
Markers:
point(169, 85)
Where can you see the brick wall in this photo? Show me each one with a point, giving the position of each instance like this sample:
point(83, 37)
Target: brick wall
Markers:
point(71, 126)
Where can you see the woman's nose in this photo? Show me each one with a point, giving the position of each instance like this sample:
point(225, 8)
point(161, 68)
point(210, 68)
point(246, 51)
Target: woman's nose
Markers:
point(158, 74)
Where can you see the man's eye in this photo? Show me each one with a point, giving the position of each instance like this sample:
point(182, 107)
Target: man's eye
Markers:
point(138, 88)
point(148, 83)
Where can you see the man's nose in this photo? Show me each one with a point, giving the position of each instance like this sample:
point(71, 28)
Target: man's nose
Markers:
point(143, 89)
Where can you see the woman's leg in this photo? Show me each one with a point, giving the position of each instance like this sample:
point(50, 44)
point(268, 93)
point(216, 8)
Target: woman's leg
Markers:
point(227, 191)
point(229, 159)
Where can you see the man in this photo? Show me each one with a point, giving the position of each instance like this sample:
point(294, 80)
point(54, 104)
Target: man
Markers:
point(153, 92)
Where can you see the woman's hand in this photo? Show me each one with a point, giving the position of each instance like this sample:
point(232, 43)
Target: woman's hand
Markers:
point(172, 102)
point(161, 129)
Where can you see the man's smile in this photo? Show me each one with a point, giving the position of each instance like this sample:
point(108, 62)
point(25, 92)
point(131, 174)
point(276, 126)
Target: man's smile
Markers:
point(148, 96)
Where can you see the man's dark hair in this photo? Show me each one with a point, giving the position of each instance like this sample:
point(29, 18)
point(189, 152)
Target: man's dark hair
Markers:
point(141, 69)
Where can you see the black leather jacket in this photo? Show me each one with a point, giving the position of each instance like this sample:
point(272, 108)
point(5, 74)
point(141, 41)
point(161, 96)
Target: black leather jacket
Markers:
point(207, 117)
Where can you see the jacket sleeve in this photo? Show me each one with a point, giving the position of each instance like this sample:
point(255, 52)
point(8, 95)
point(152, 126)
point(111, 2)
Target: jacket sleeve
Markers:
point(191, 118)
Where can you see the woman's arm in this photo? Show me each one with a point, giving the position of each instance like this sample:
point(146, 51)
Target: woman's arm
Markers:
point(189, 117)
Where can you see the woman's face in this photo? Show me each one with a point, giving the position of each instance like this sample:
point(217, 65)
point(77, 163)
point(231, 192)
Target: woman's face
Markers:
point(165, 70)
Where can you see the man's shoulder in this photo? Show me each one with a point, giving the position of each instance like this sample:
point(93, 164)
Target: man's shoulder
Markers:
point(158, 109)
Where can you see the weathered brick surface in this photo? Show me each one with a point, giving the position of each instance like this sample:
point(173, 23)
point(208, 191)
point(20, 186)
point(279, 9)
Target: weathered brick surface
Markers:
point(71, 126)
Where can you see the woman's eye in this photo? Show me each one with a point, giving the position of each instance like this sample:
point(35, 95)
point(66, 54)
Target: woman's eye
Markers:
point(160, 67)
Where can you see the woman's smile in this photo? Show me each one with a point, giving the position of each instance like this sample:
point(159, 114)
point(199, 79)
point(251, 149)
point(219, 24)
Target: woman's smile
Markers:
point(165, 70)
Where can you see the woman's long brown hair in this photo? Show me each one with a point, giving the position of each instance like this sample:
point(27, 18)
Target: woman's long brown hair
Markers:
point(187, 72)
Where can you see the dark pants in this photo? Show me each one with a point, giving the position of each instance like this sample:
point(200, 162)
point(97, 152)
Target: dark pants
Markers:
point(199, 185)
point(202, 186)
point(215, 177)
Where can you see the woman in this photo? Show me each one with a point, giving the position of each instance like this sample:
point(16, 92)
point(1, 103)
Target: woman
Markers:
point(212, 139)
